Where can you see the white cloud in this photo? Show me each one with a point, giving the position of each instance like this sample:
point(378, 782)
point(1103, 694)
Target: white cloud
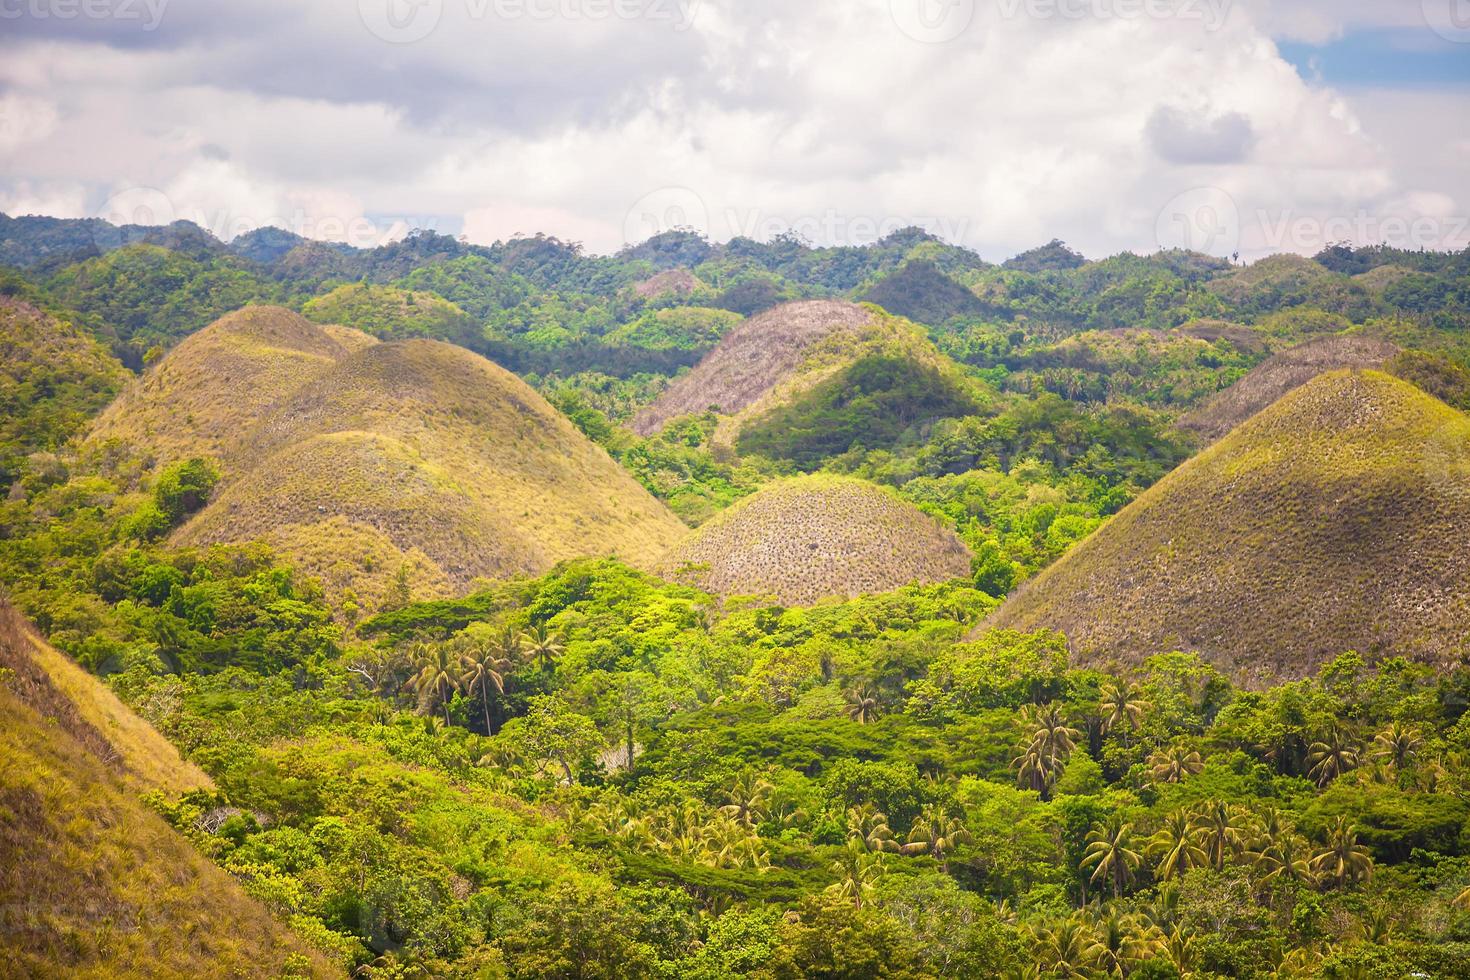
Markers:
point(763, 115)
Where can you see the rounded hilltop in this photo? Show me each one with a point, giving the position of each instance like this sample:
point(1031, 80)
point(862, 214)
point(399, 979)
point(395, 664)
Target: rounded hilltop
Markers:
point(1332, 521)
point(355, 458)
point(816, 537)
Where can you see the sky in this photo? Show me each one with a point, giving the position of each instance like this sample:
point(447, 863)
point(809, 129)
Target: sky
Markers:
point(1249, 126)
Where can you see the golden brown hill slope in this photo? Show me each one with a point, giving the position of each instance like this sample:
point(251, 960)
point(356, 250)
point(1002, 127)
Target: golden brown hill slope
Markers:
point(201, 398)
point(1335, 520)
point(753, 359)
point(92, 883)
point(418, 453)
point(815, 537)
point(1278, 374)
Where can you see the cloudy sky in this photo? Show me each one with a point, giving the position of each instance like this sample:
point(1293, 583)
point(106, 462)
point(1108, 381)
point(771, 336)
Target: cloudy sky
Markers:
point(1224, 125)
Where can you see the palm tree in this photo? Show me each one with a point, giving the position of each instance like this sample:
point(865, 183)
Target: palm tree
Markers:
point(746, 797)
point(935, 832)
point(1342, 860)
point(863, 705)
point(484, 669)
point(1278, 850)
point(1396, 745)
point(1176, 843)
point(1047, 743)
point(869, 825)
point(1221, 829)
point(1064, 947)
point(438, 674)
point(543, 645)
point(1171, 765)
point(1110, 854)
point(1331, 756)
point(1123, 706)
point(1121, 942)
point(857, 873)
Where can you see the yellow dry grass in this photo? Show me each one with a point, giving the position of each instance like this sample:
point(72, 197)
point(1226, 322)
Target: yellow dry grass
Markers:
point(1280, 373)
point(754, 358)
point(208, 391)
point(816, 537)
point(1332, 521)
point(353, 457)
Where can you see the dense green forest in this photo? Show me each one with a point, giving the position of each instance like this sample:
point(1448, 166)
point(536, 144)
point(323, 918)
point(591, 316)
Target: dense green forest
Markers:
point(595, 772)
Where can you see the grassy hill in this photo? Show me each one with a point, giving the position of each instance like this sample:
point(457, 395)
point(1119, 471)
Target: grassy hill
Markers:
point(1332, 521)
point(1274, 377)
point(208, 392)
point(93, 883)
point(753, 359)
point(53, 377)
point(815, 537)
point(354, 458)
point(808, 380)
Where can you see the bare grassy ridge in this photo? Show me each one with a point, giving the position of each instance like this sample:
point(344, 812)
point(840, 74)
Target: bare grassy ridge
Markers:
point(678, 282)
point(353, 457)
point(816, 537)
point(209, 391)
point(1277, 375)
point(1335, 520)
point(753, 359)
point(93, 884)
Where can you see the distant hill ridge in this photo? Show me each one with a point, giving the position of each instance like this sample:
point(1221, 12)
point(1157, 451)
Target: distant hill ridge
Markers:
point(1282, 372)
point(1334, 520)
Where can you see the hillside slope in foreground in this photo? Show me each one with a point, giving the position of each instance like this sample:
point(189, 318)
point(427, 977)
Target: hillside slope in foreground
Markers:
point(93, 883)
point(1335, 520)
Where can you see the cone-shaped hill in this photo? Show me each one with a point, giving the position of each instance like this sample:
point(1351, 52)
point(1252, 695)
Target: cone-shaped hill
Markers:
point(212, 387)
point(95, 882)
point(816, 537)
point(1280, 373)
point(354, 458)
point(807, 380)
point(1335, 520)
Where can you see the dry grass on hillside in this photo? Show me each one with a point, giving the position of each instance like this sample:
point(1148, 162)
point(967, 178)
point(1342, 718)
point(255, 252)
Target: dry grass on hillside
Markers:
point(86, 709)
point(752, 359)
point(816, 537)
point(1334, 520)
point(201, 398)
point(93, 884)
point(354, 457)
point(1277, 375)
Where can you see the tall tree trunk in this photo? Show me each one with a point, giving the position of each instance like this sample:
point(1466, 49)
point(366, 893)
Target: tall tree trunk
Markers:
point(485, 700)
point(630, 745)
